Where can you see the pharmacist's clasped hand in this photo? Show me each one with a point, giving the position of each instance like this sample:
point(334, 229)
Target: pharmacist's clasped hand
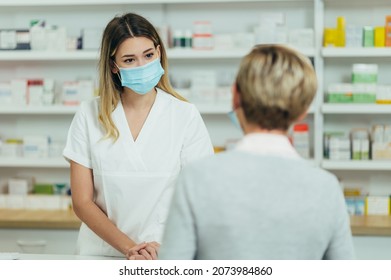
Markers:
point(133, 252)
point(150, 251)
point(144, 251)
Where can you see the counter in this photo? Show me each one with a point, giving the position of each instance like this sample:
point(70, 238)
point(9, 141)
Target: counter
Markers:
point(60, 219)
point(371, 225)
point(39, 219)
point(20, 256)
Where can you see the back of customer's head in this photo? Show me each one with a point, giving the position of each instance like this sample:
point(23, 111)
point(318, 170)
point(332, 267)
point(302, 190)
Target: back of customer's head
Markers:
point(276, 85)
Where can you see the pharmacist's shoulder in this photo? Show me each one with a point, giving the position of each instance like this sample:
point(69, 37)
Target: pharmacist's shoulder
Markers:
point(177, 105)
point(89, 106)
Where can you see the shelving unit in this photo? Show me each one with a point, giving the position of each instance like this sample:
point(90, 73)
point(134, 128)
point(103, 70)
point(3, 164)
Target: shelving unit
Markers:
point(173, 54)
point(372, 176)
point(369, 109)
point(34, 162)
point(331, 65)
point(358, 165)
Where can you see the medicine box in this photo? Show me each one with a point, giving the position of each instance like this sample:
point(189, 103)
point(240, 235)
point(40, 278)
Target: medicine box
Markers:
point(19, 186)
point(14, 39)
point(380, 36)
point(377, 205)
point(368, 36)
point(364, 73)
point(340, 93)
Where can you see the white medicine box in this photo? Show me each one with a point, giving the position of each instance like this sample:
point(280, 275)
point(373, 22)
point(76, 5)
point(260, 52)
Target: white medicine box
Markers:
point(377, 205)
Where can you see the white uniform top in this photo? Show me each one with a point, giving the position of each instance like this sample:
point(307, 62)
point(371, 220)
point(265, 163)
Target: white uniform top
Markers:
point(134, 180)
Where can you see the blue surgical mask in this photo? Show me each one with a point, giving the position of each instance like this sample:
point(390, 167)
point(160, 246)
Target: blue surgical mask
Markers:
point(234, 119)
point(142, 79)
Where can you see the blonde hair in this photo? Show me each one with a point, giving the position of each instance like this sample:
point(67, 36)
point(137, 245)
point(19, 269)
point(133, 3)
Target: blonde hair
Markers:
point(117, 31)
point(276, 85)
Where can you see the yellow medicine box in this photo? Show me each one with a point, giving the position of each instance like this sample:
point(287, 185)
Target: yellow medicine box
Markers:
point(380, 36)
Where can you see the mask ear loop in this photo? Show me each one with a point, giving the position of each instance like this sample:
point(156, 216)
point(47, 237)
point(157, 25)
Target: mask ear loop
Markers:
point(119, 76)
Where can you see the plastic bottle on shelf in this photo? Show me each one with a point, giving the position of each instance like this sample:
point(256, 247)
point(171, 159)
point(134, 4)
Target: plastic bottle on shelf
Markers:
point(37, 35)
point(301, 140)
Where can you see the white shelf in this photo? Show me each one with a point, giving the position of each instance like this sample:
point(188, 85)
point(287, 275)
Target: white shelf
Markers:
point(356, 108)
point(34, 162)
point(220, 53)
point(214, 108)
point(356, 165)
point(356, 52)
point(27, 55)
point(41, 110)
point(77, 55)
point(17, 3)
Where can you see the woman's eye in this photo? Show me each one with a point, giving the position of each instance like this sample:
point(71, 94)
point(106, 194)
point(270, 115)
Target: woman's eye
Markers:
point(149, 55)
point(129, 60)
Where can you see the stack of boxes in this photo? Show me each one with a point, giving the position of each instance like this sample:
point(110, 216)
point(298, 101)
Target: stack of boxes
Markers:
point(358, 36)
point(363, 88)
point(359, 203)
point(361, 144)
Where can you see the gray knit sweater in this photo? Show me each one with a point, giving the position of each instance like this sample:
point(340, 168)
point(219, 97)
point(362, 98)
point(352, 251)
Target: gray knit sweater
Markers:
point(238, 205)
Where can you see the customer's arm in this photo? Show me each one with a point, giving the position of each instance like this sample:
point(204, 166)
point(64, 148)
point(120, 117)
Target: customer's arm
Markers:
point(341, 244)
point(179, 241)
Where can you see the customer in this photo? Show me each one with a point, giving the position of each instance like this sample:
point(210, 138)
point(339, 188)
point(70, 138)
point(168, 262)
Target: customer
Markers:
point(261, 200)
point(127, 146)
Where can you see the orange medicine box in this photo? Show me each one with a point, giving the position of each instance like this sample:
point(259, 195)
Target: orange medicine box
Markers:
point(388, 36)
point(388, 21)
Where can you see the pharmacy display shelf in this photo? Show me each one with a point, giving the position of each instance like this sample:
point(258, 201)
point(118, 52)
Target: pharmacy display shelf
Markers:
point(356, 52)
point(223, 108)
point(221, 53)
point(34, 162)
point(204, 108)
point(16, 3)
point(370, 165)
point(356, 108)
point(172, 54)
point(214, 108)
point(39, 110)
point(27, 55)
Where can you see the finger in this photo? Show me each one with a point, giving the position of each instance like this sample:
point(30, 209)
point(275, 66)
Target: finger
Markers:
point(137, 257)
point(152, 251)
point(155, 244)
point(145, 254)
point(134, 250)
point(140, 246)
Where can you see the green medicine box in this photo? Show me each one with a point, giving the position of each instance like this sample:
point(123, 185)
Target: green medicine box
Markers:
point(364, 73)
point(43, 189)
point(368, 36)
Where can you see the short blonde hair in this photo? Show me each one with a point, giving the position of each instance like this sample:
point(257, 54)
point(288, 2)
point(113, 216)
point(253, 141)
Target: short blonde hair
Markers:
point(276, 85)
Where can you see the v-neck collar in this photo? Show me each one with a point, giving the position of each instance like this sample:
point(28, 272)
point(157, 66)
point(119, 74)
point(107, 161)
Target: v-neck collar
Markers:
point(124, 127)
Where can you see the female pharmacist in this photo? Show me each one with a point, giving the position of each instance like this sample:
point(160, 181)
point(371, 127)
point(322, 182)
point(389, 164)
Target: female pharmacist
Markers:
point(127, 146)
point(261, 200)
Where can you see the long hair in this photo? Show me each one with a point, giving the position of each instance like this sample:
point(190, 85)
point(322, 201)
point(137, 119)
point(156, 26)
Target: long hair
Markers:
point(117, 31)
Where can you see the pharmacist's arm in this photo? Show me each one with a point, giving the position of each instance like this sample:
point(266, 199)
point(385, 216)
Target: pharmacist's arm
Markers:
point(86, 209)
